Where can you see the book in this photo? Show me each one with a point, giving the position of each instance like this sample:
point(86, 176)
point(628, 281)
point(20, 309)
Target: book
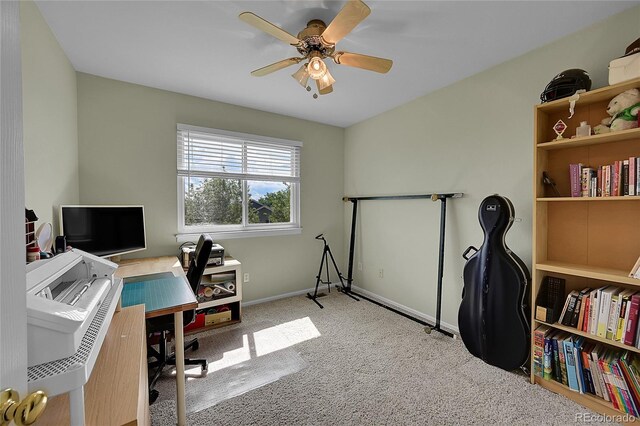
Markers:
point(605, 307)
point(575, 173)
point(593, 369)
point(628, 377)
point(538, 350)
point(557, 370)
point(614, 313)
point(623, 386)
point(624, 302)
point(584, 326)
point(607, 376)
point(595, 310)
point(586, 368)
point(585, 181)
point(596, 360)
point(637, 175)
point(578, 309)
point(599, 192)
point(632, 175)
point(563, 363)
point(630, 364)
point(607, 181)
point(578, 341)
point(632, 322)
point(571, 306)
point(570, 360)
point(548, 357)
point(625, 177)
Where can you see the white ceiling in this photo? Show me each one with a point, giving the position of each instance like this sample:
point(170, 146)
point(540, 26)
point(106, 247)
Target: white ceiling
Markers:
point(203, 49)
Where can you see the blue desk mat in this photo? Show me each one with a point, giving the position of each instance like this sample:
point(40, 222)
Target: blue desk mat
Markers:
point(157, 294)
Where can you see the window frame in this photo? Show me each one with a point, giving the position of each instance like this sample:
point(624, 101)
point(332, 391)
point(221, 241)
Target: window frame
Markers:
point(245, 229)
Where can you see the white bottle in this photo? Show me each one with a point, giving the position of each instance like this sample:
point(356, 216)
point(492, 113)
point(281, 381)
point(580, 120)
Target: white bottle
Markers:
point(583, 130)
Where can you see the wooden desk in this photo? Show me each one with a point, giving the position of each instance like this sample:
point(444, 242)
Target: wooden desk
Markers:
point(117, 392)
point(182, 300)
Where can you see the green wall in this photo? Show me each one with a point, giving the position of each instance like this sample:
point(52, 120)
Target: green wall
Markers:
point(50, 118)
point(476, 137)
point(127, 155)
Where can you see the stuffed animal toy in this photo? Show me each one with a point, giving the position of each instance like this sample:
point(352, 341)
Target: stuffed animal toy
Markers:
point(624, 109)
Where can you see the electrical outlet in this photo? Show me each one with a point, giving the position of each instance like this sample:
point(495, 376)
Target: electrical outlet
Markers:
point(359, 266)
point(246, 277)
point(380, 273)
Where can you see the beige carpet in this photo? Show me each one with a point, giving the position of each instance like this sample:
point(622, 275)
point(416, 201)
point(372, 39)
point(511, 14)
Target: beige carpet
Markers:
point(362, 365)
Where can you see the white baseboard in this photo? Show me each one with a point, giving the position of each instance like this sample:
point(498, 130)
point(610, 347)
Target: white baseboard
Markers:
point(409, 311)
point(280, 296)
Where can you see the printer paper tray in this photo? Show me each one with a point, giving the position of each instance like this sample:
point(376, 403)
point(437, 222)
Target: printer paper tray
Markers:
point(63, 375)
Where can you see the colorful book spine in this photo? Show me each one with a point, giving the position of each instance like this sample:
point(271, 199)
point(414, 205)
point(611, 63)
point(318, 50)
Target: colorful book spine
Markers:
point(632, 175)
point(585, 180)
point(587, 308)
point(572, 378)
point(548, 356)
point(606, 374)
point(563, 362)
point(624, 388)
point(557, 370)
point(538, 351)
point(625, 177)
point(575, 172)
point(632, 323)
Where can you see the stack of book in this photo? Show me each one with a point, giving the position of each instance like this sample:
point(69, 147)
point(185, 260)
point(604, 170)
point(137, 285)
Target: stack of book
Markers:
point(589, 368)
point(614, 180)
point(608, 312)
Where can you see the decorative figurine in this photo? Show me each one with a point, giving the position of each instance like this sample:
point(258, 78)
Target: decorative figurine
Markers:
point(559, 128)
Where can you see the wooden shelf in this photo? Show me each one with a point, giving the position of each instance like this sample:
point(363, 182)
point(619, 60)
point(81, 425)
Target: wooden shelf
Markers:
point(576, 199)
point(590, 336)
point(596, 95)
point(586, 271)
point(590, 401)
point(622, 135)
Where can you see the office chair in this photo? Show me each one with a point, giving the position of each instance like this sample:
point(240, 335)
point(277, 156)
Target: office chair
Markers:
point(165, 324)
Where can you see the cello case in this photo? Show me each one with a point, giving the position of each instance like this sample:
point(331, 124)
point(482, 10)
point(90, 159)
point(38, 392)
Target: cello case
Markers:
point(494, 314)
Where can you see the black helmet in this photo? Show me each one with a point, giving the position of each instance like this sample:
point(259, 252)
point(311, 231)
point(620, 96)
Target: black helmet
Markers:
point(566, 84)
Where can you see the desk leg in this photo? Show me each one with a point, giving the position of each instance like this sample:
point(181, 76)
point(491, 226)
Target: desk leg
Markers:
point(180, 379)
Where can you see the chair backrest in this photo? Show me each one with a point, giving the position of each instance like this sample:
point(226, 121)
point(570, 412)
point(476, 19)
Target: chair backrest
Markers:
point(199, 262)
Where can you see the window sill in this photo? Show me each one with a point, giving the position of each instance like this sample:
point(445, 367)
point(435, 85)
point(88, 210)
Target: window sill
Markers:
point(230, 235)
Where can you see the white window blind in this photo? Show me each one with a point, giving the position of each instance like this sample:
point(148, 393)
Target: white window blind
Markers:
point(215, 153)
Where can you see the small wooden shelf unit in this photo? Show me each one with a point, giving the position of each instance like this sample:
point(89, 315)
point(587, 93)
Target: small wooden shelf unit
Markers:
point(231, 266)
point(588, 241)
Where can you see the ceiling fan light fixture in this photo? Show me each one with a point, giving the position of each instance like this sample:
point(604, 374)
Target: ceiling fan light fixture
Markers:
point(316, 68)
point(301, 76)
point(325, 81)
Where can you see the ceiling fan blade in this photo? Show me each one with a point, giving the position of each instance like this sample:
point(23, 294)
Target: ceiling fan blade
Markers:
point(346, 20)
point(269, 28)
point(357, 60)
point(324, 91)
point(275, 66)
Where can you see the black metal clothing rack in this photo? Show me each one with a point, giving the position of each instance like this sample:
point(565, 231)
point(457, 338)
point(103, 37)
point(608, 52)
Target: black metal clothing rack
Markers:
point(443, 215)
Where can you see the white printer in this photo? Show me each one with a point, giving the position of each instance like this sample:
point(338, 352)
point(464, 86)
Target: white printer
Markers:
point(63, 295)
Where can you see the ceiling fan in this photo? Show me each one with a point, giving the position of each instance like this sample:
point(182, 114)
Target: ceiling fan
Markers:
point(317, 42)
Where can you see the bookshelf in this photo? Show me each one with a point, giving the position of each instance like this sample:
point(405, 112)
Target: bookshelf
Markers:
point(587, 241)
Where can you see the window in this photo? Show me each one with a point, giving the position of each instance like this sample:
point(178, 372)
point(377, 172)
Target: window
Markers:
point(237, 184)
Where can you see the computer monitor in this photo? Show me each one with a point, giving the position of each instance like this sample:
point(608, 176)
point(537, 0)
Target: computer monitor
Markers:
point(104, 230)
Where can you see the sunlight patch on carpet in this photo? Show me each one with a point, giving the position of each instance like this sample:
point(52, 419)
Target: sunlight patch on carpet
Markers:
point(241, 360)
